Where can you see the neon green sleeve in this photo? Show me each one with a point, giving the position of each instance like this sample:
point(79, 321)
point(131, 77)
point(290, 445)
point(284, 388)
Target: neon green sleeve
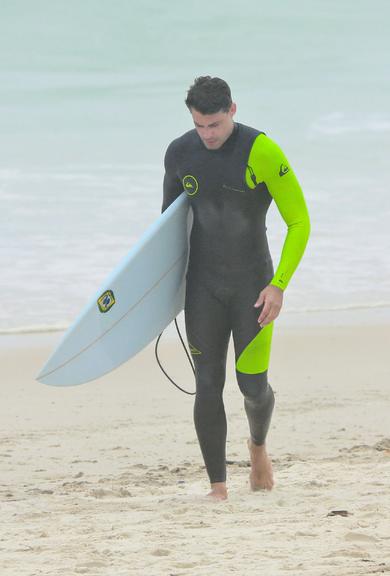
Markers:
point(271, 166)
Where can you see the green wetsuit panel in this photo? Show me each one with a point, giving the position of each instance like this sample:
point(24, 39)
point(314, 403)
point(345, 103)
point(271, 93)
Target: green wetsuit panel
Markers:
point(268, 164)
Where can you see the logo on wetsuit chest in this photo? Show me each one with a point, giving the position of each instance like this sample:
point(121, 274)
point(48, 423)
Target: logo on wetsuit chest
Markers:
point(190, 184)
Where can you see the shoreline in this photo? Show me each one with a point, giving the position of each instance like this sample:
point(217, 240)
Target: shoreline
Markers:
point(355, 316)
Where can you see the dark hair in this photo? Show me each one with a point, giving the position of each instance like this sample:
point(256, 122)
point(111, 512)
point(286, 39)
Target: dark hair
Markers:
point(209, 95)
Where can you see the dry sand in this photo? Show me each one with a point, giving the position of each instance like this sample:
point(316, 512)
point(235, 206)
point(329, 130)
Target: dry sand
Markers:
point(107, 478)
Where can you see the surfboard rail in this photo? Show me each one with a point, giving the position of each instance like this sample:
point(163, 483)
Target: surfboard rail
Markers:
point(138, 299)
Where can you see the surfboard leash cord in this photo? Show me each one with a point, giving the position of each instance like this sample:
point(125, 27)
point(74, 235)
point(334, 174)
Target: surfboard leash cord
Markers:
point(187, 354)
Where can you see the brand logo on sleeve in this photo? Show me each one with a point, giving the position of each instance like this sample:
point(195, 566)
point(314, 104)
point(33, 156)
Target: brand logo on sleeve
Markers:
point(106, 301)
point(283, 170)
point(190, 184)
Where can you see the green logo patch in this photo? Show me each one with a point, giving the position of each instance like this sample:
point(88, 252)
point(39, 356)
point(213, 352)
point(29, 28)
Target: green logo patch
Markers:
point(190, 184)
point(106, 301)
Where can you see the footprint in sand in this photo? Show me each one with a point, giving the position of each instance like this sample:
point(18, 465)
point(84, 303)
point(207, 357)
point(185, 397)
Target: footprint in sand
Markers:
point(160, 552)
point(42, 491)
point(101, 493)
point(89, 567)
point(359, 537)
point(383, 445)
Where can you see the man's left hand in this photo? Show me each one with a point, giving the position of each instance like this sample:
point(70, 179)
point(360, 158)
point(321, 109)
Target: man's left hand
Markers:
point(272, 298)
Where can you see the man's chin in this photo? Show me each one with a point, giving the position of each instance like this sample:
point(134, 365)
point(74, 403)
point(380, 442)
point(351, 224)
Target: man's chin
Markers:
point(212, 145)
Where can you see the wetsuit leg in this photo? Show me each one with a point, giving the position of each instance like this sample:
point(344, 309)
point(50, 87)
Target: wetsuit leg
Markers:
point(252, 349)
point(208, 334)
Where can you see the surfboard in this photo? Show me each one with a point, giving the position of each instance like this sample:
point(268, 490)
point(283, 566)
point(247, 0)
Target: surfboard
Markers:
point(141, 296)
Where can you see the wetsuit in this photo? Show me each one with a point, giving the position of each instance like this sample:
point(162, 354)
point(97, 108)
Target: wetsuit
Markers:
point(230, 190)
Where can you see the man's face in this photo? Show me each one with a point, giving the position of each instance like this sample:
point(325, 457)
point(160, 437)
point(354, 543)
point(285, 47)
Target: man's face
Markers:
point(214, 129)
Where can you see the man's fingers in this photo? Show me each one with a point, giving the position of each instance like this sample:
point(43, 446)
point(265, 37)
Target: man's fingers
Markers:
point(264, 313)
point(260, 300)
point(271, 298)
point(270, 315)
point(267, 320)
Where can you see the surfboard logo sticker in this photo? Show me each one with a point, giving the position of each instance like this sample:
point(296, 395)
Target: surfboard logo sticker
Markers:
point(191, 185)
point(106, 301)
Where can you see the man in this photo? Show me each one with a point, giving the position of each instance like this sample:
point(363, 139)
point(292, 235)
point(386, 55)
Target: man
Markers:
point(231, 173)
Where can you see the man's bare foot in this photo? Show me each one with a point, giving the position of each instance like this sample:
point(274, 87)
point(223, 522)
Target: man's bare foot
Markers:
point(261, 476)
point(218, 491)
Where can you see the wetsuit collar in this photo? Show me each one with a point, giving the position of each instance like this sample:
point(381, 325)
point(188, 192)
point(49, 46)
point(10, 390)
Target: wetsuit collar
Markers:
point(230, 140)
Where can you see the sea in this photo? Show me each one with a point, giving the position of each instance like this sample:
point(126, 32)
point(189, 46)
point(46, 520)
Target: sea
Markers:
point(92, 92)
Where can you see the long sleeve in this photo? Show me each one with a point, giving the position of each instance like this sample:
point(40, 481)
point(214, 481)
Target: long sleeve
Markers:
point(172, 186)
point(272, 167)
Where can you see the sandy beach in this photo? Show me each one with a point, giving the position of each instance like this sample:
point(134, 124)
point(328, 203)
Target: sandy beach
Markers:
point(107, 478)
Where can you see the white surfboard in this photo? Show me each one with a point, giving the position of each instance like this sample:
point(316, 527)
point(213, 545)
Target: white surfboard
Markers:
point(137, 301)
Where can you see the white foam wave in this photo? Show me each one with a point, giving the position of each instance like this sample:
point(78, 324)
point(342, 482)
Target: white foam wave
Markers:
point(78, 173)
point(338, 123)
point(37, 329)
point(341, 308)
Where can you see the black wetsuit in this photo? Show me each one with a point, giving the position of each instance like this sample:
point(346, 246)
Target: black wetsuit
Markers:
point(229, 265)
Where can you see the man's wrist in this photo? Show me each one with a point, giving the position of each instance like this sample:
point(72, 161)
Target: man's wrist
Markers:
point(277, 284)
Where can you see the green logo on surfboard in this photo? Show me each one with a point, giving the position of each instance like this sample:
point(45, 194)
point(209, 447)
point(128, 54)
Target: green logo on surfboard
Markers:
point(106, 301)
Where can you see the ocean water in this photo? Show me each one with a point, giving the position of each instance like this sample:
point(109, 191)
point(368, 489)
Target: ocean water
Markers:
point(91, 93)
